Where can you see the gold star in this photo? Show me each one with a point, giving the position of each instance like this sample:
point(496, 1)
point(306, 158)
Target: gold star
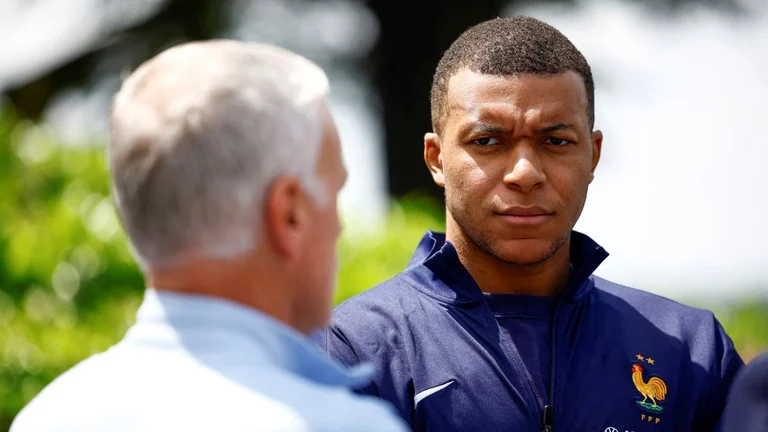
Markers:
point(650, 360)
point(640, 357)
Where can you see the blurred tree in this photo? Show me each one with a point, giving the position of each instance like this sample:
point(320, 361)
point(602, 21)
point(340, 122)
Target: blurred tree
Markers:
point(411, 42)
point(59, 227)
point(63, 261)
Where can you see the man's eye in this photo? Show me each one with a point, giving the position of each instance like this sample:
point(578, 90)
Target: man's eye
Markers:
point(489, 141)
point(559, 142)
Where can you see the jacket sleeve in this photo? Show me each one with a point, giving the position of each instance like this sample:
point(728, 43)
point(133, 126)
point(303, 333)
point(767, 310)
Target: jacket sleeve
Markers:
point(730, 365)
point(336, 345)
point(361, 334)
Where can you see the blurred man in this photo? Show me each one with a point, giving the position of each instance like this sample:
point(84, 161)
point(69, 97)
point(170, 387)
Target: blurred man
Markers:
point(499, 324)
point(225, 166)
point(747, 408)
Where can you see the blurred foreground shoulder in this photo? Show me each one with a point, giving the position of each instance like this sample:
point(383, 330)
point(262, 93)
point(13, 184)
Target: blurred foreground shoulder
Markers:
point(747, 408)
point(354, 413)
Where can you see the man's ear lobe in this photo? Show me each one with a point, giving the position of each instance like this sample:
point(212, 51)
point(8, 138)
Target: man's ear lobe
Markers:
point(597, 148)
point(285, 216)
point(433, 157)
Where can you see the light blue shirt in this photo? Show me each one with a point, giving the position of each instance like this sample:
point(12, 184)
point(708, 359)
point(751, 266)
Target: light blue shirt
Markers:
point(198, 363)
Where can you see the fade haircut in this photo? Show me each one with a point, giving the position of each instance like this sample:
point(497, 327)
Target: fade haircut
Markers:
point(197, 136)
point(509, 46)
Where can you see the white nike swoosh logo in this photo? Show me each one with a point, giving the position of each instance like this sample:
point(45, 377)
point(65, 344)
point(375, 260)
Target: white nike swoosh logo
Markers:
point(430, 391)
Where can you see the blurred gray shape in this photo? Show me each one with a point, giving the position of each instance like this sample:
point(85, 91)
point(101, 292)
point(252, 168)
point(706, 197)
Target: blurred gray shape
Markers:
point(41, 35)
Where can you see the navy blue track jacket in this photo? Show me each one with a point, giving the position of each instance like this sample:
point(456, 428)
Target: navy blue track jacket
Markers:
point(621, 359)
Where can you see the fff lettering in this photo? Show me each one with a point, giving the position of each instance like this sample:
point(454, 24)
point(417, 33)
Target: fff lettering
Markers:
point(650, 419)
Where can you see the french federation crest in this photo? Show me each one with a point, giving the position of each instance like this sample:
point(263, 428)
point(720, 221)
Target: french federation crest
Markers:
point(653, 391)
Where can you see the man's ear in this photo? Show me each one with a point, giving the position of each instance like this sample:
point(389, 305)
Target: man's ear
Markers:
point(433, 157)
point(286, 216)
point(597, 147)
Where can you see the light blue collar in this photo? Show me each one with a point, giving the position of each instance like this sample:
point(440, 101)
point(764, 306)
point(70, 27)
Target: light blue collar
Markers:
point(279, 344)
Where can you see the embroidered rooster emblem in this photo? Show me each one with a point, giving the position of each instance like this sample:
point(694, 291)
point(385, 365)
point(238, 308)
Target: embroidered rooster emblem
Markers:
point(655, 389)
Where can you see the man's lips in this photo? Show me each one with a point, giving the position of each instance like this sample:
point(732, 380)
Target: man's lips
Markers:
point(524, 211)
point(525, 215)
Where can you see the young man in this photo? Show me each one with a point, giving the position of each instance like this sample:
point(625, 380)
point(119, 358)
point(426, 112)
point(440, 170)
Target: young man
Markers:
point(225, 166)
point(499, 324)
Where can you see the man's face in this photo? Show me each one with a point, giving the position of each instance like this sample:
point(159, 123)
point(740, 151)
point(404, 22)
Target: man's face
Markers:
point(319, 261)
point(516, 156)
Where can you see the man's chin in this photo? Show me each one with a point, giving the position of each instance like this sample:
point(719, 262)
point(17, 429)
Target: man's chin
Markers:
point(525, 251)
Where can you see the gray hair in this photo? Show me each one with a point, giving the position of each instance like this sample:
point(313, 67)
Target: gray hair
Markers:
point(198, 134)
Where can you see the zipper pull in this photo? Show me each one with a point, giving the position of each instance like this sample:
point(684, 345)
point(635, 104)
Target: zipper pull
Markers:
point(547, 421)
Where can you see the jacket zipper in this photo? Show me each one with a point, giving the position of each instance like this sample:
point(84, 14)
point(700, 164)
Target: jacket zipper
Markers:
point(548, 419)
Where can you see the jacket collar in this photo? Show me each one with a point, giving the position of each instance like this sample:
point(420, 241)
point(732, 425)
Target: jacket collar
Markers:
point(436, 270)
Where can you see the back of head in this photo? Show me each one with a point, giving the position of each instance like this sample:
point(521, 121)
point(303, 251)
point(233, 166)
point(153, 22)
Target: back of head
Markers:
point(508, 46)
point(196, 136)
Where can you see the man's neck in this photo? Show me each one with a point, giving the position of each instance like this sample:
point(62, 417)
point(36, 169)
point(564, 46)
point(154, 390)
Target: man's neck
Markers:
point(497, 277)
point(235, 280)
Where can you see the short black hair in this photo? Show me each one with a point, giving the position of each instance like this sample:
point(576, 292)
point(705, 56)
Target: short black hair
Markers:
point(509, 46)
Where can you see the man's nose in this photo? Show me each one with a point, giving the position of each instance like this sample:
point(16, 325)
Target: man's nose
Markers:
point(525, 172)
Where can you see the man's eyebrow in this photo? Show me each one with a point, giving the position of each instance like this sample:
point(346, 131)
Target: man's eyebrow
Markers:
point(488, 128)
point(555, 128)
point(485, 128)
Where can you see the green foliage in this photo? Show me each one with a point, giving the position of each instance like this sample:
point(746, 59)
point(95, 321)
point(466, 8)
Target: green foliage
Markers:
point(371, 258)
point(64, 264)
point(747, 324)
point(34, 351)
point(59, 231)
point(70, 288)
